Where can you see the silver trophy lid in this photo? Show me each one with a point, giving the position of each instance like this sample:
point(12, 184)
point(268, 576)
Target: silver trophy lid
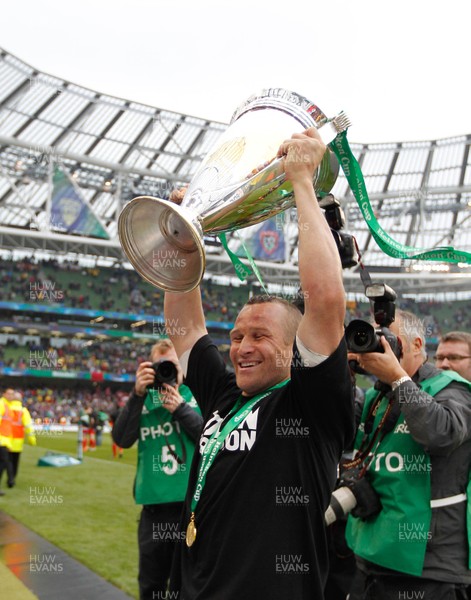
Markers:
point(305, 111)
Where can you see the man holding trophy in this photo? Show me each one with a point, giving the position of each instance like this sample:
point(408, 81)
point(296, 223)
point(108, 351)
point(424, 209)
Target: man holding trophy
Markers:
point(275, 429)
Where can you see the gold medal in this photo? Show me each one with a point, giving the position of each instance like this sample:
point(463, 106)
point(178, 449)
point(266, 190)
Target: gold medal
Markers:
point(191, 531)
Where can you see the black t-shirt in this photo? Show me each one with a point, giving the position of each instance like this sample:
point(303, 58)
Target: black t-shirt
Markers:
point(260, 518)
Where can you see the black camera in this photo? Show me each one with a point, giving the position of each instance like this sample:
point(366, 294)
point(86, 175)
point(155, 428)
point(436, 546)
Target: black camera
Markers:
point(165, 372)
point(354, 494)
point(361, 337)
point(335, 218)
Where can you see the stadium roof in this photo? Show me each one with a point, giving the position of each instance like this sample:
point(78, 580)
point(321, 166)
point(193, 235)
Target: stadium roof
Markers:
point(117, 149)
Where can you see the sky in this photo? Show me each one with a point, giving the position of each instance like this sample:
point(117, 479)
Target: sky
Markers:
point(400, 70)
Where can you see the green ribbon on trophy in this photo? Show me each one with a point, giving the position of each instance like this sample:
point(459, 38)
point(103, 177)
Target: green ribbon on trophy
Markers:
point(242, 270)
point(354, 176)
point(352, 171)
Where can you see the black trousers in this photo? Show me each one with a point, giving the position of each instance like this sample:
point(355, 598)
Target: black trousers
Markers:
point(384, 587)
point(342, 564)
point(15, 462)
point(5, 465)
point(158, 534)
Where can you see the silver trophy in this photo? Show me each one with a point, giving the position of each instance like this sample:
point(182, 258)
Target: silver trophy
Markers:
point(238, 184)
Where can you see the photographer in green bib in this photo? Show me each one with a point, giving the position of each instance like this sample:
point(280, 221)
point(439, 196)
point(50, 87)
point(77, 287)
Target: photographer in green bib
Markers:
point(411, 537)
point(165, 419)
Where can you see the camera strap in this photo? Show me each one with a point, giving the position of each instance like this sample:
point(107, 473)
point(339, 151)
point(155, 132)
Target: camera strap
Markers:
point(364, 273)
point(179, 460)
point(386, 424)
point(172, 452)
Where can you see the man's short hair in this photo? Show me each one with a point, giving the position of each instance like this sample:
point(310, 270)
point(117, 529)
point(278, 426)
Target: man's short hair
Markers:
point(294, 315)
point(162, 346)
point(411, 327)
point(457, 336)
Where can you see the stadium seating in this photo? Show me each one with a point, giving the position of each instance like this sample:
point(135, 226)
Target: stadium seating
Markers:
point(29, 284)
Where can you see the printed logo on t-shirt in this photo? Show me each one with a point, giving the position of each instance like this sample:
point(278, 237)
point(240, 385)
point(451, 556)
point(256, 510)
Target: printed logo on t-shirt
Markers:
point(402, 428)
point(242, 438)
point(153, 432)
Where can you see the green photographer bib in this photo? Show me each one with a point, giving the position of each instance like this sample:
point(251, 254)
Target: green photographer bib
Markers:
point(397, 537)
point(161, 476)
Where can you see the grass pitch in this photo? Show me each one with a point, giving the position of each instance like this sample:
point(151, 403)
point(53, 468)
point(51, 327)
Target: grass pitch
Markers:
point(87, 510)
point(12, 588)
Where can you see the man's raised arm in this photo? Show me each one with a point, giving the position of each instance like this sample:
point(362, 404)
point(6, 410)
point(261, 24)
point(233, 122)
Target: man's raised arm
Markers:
point(320, 270)
point(184, 319)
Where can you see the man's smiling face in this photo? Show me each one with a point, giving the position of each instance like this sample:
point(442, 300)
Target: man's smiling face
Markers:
point(260, 352)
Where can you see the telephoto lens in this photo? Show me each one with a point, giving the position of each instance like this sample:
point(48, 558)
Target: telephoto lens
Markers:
point(342, 502)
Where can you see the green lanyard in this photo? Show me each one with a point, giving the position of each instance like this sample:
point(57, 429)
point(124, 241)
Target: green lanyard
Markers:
point(352, 171)
point(240, 411)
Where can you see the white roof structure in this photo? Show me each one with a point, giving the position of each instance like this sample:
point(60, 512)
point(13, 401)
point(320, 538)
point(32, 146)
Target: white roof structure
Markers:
point(116, 149)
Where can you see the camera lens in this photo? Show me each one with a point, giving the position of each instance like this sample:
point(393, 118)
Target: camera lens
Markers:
point(360, 336)
point(361, 339)
point(342, 502)
point(165, 372)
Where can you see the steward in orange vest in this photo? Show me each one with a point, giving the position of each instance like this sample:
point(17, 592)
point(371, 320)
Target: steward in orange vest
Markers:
point(21, 428)
point(5, 437)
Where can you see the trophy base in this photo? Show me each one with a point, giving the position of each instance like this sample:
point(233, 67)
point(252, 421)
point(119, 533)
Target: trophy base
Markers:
point(163, 242)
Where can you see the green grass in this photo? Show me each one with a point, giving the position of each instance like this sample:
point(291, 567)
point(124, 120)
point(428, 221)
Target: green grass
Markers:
point(67, 442)
point(86, 510)
point(12, 588)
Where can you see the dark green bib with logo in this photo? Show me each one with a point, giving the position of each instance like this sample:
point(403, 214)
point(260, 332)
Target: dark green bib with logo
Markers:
point(160, 478)
point(397, 537)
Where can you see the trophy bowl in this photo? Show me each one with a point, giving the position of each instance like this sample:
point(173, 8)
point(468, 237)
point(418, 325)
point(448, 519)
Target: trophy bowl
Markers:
point(239, 183)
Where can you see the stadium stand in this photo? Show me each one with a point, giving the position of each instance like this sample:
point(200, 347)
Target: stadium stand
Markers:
point(72, 309)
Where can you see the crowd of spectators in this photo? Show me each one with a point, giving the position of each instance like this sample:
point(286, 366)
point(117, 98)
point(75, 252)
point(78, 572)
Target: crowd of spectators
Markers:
point(67, 405)
point(105, 357)
point(115, 289)
point(121, 290)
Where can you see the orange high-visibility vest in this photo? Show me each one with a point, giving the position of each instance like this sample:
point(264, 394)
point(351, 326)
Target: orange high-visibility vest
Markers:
point(5, 424)
point(20, 426)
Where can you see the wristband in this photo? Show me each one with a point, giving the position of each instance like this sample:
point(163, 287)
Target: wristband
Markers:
point(395, 384)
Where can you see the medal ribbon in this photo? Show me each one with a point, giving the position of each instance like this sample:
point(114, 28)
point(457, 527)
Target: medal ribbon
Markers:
point(217, 439)
point(354, 176)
